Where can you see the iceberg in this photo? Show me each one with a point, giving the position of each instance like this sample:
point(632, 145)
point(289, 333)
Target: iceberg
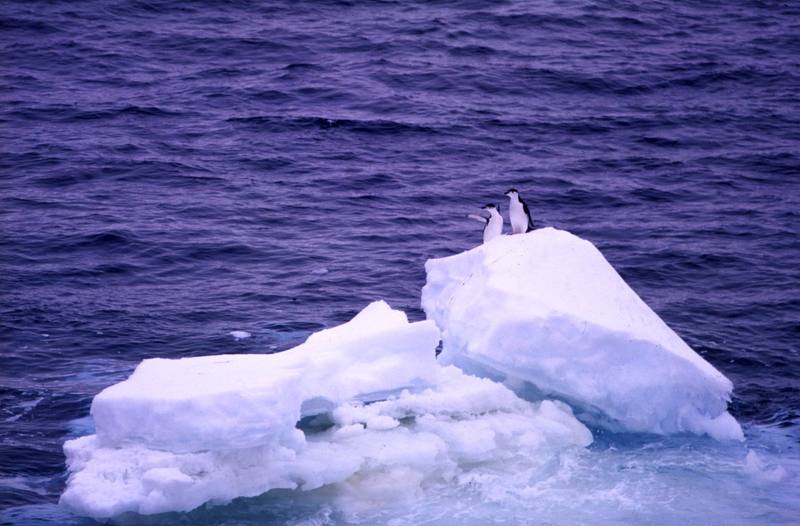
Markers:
point(547, 314)
point(362, 408)
point(532, 327)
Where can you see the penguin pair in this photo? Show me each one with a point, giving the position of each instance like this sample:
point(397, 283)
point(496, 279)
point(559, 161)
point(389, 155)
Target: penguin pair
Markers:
point(519, 215)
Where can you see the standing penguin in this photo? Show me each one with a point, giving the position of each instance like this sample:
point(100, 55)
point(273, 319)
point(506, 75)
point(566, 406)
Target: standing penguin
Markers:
point(518, 213)
point(492, 225)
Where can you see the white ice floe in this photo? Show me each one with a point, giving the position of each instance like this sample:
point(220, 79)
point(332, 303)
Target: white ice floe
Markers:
point(240, 335)
point(180, 433)
point(365, 412)
point(546, 313)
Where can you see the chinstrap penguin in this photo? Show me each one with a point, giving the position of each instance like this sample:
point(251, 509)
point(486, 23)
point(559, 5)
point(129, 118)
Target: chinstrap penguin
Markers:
point(492, 225)
point(518, 213)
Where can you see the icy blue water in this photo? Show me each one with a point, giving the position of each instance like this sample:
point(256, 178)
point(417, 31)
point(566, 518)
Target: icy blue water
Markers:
point(173, 172)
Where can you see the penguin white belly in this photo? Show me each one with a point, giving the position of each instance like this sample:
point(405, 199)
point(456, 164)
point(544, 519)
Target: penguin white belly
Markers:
point(518, 217)
point(493, 228)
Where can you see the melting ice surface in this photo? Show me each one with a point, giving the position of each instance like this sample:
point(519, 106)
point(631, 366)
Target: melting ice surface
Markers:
point(361, 424)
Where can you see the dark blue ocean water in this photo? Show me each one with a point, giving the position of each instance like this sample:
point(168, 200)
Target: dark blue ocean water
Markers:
point(175, 171)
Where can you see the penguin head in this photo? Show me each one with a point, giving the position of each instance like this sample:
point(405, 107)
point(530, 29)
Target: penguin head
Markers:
point(490, 207)
point(512, 192)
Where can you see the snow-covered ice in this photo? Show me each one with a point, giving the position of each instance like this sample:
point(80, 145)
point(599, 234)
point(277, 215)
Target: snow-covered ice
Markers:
point(179, 433)
point(546, 313)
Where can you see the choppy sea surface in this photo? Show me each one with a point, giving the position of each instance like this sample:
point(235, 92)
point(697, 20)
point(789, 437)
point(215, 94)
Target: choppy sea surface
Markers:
point(175, 171)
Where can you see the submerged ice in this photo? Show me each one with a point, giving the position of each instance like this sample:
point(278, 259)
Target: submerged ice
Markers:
point(365, 412)
point(546, 313)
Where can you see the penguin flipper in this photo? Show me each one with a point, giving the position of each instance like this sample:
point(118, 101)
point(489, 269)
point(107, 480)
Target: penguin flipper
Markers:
point(476, 217)
point(528, 214)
